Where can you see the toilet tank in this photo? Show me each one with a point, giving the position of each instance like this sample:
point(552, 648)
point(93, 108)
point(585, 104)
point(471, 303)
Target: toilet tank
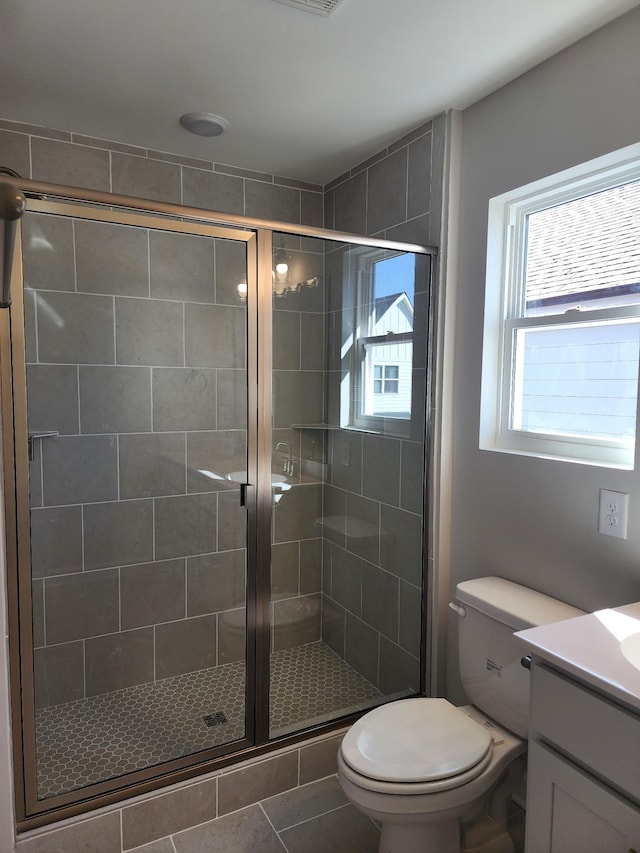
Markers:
point(493, 678)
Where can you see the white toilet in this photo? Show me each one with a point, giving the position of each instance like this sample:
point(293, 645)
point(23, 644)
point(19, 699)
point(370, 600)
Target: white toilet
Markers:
point(422, 766)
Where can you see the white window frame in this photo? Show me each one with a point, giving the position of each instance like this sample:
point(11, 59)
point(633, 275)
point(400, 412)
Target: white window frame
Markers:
point(364, 303)
point(504, 311)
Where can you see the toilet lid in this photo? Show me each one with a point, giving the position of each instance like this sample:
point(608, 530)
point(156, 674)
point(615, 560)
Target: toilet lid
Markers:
point(415, 740)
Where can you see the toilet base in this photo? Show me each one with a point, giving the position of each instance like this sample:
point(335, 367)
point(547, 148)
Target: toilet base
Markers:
point(439, 837)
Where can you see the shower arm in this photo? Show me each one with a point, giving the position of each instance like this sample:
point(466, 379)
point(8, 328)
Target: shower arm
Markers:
point(12, 205)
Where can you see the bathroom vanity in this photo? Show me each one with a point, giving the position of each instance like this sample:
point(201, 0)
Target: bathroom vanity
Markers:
point(583, 789)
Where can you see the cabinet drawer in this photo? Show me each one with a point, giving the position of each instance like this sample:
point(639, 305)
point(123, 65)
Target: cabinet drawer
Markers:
point(596, 732)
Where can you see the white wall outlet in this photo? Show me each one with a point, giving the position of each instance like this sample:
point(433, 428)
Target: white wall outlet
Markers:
point(612, 516)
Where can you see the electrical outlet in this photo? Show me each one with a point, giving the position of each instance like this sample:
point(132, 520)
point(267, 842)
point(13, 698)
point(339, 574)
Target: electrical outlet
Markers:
point(613, 512)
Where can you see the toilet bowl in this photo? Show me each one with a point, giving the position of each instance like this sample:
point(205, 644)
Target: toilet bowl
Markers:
point(421, 767)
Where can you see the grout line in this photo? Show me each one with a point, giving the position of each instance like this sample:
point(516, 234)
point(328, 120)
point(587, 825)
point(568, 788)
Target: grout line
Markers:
point(259, 804)
point(315, 817)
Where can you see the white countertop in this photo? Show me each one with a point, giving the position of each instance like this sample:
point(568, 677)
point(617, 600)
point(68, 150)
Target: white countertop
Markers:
point(602, 649)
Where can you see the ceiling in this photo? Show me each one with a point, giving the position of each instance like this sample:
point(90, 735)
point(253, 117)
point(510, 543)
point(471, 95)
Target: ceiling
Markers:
point(306, 96)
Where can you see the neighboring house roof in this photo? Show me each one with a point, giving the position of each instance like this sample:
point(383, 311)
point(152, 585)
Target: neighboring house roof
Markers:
point(384, 304)
point(587, 246)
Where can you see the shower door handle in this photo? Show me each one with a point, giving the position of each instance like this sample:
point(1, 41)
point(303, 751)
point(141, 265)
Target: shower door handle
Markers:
point(246, 494)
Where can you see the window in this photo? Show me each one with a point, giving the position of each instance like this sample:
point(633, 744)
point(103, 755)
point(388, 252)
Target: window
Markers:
point(385, 378)
point(562, 315)
point(382, 355)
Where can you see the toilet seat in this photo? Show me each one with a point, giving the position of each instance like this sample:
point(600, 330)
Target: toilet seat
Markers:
point(417, 745)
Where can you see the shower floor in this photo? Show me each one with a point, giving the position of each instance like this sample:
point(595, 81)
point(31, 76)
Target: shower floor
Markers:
point(91, 740)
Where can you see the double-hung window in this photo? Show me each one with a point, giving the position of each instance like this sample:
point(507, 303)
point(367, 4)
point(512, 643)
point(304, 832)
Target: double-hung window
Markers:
point(562, 316)
point(383, 341)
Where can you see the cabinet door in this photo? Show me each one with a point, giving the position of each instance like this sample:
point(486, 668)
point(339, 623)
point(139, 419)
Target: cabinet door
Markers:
point(568, 811)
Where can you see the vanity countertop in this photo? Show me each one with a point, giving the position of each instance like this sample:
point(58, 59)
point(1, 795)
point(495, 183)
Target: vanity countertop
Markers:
point(601, 649)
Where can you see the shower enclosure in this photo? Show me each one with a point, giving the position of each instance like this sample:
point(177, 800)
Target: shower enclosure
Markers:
point(214, 435)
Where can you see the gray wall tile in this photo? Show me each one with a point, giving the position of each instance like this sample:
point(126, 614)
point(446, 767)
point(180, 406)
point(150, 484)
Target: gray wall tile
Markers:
point(285, 567)
point(221, 452)
point(312, 337)
point(318, 760)
point(118, 534)
point(296, 622)
point(401, 543)
point(139, 176)
point(56, 541)
point(119, 660)
point(99, 835)
point(47, 251)
point(185, 398)
point(111, 258)
point(310, 565)
point(81, 605)
point(298, 513)
point(231, 269)
point(115, 399)
point(14, 152)
point(52, 398)
point(216, 582)
point(269, 201)
point(65, 163)
point(399, 671)
point(350, 204)
point(232, 521)
point(152, 593)
point(58, 674)
point(37, 610)
point(152, 464)
point(213, 191)
point(149, 331)
point(411, 477)
point(346, 579)
point(381, 468)
point(75, 328)
point(298, 397)
point(361, 648)
point(286, 340)
point(380, 600)
point(387, 186)
point(79, 468)
point(419, 179)
point(346, 457)
point(410, 616)
point(182, 267)
point(263, 779)
point(215, 336)
point(185, 525)
point(363, 527)
point(231, 399)
point(232, 638)
point(333, 626)
point(185, 646)
point(168, 813)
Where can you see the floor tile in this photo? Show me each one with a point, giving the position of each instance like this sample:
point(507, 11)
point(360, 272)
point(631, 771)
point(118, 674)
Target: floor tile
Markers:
point(304, 803)
point(245, 831)
point(344, 830)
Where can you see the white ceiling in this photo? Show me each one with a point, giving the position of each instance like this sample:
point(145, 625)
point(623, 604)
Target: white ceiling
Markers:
point(306, 96)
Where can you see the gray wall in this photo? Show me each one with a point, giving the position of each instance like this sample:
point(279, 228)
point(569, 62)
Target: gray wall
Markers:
point(372, 586)
point(534, 520)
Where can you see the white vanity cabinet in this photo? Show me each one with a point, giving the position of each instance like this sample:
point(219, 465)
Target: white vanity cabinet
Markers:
point(583, 780)
point(583, 788)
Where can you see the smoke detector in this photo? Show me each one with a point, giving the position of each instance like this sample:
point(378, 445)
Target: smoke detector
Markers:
point(318, 7)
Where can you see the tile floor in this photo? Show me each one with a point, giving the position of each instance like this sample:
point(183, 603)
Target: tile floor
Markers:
point(117, 733)
point(315, 818)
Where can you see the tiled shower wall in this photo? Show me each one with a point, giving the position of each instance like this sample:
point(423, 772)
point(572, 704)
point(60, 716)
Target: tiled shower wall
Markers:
point(105, 597)
point(372, 585)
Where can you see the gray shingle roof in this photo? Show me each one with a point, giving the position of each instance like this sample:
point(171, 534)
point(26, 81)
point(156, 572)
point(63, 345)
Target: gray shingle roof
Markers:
point(587, 246)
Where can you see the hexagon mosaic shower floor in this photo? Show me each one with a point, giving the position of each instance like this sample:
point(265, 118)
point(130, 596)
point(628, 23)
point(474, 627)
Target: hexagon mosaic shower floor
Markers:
point(90, 740)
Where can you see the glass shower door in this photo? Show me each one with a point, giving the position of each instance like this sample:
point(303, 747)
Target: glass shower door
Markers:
point(137, 383)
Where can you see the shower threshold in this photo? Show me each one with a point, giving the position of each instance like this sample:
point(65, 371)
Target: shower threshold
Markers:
point(91, 740)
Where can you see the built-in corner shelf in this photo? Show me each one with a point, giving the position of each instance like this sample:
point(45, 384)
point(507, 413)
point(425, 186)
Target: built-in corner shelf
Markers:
point(316, 426)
